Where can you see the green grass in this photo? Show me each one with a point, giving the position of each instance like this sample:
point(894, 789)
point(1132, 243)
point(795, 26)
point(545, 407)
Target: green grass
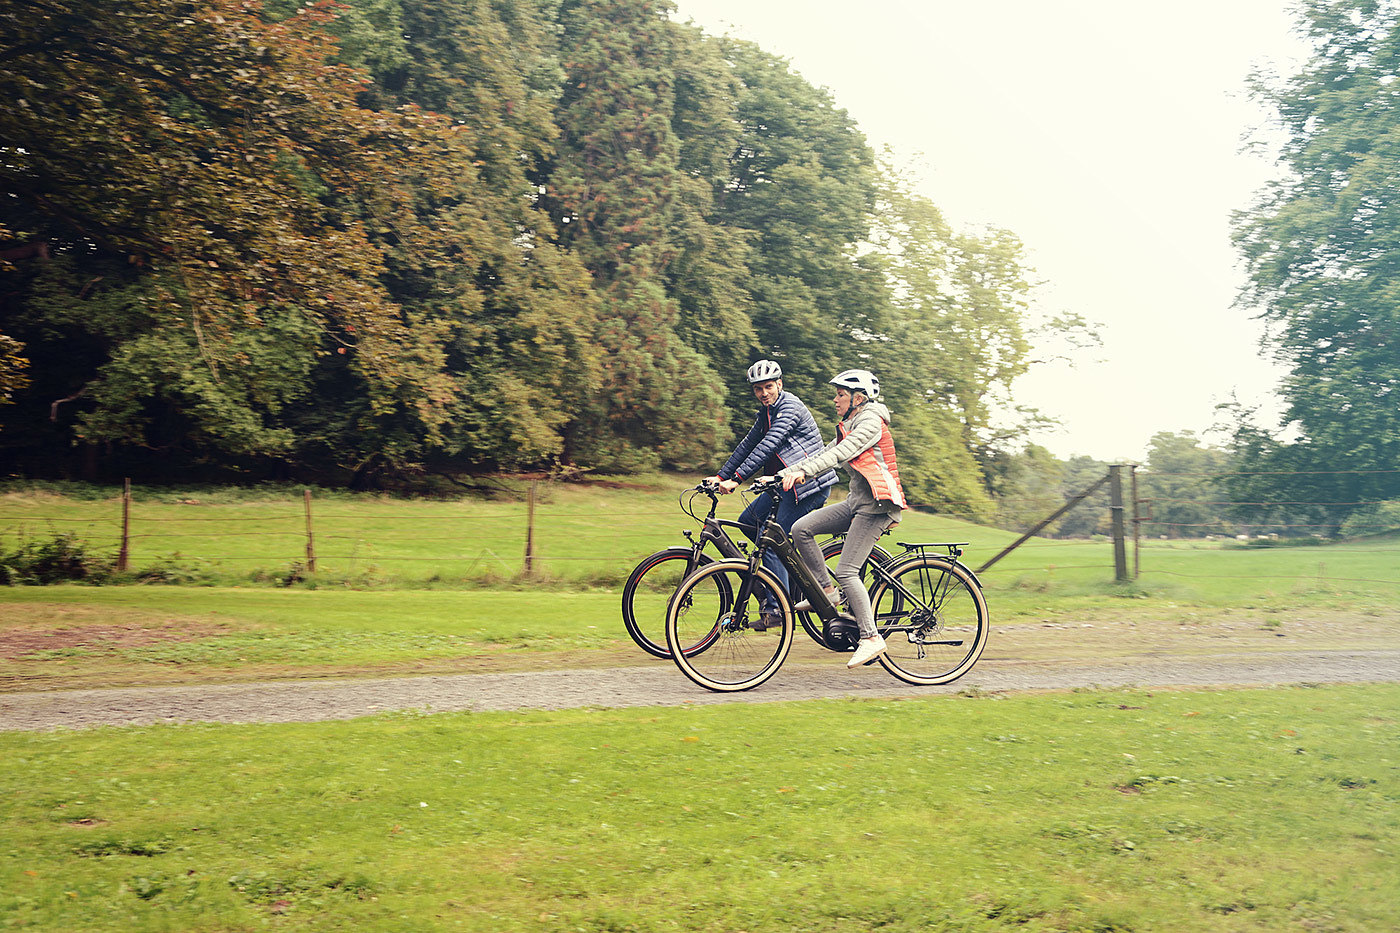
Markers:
point(584, 534)
point(593, 534)
point(426, 586)
point(1090, 811)
point(166, 634)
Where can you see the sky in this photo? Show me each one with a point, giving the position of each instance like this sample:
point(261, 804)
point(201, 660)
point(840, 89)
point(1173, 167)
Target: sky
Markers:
point(1110, 137)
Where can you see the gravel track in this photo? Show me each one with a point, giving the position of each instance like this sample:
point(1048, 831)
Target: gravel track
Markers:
point(658, 685)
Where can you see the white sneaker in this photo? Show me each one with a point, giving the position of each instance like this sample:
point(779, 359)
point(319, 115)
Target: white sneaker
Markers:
point(867, 650)
point(806, 604)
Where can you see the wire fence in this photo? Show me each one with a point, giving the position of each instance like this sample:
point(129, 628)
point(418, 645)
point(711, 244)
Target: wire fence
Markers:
point(599, 542)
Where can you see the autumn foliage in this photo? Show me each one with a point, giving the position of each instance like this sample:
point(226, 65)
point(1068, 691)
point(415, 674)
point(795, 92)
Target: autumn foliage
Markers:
point(356, 239)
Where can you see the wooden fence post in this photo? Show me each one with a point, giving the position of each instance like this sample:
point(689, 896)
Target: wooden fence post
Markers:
point(124, 552)
point(1137, 524)
point(310, 538)
point(530, 533)
point(1115, 511)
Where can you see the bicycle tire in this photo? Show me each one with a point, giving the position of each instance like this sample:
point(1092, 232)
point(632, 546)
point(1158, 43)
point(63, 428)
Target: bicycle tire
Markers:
point(831, 550)
point(935, 621)
point(656, 580)
point(730, 656)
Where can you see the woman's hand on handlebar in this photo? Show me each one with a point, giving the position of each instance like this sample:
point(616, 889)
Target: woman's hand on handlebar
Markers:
point(794, 479)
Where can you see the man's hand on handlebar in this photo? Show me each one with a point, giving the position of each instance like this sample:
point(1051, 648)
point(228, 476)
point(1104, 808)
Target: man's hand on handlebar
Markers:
point(722, 486)
point(794, 479)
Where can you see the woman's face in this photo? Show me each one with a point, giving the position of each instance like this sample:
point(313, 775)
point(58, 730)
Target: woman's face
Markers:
point(843, 403)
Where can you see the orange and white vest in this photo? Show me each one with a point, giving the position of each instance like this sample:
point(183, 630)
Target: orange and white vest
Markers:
point(878, 466)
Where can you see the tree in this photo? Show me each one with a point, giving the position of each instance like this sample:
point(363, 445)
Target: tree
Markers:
point(1028, 485)
point(1091, 516)
point(1183, 484)
point(12, 367)
point(802, 184)
point(709, 276)
point(617, 193)
point(213, 171)
point(517, 311)
point(1283, 487)
point(954, 332)
point(1322, 248)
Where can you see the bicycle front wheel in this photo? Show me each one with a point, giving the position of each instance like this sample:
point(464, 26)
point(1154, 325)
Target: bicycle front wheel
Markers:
point(933, 616)
point(647, 592)
point(711, 615)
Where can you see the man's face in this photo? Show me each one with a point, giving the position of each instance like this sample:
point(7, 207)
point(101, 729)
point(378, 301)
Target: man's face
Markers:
point(767, 392)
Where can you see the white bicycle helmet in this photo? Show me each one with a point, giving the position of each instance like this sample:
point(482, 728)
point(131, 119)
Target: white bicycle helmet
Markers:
point(858, 380)
point(764, 370)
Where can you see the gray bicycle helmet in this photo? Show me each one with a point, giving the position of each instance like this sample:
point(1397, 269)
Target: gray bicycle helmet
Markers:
point(764, 370)
point(858, 380)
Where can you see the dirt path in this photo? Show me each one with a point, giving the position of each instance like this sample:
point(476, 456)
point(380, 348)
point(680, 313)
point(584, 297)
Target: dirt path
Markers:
point(1104, 648)
point(659, 685)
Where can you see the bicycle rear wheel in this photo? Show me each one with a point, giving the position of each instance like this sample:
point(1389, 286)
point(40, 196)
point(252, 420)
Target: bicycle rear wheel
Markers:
point(712, 612)
point(647, 592)
point(934, 619)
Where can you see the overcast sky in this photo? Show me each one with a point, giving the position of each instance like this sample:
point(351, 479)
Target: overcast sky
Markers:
point(1107, 135)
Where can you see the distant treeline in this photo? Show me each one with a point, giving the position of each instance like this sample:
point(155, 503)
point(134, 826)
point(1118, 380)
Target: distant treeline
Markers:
point(1187, 488)
point(359, 241)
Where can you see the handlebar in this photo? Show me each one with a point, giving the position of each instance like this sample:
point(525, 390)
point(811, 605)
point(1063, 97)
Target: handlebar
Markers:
point(701, 488)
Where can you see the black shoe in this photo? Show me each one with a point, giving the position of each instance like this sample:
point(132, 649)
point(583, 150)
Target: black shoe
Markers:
point(766, 621)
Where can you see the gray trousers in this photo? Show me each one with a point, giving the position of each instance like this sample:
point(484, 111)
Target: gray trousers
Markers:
point(862, 530)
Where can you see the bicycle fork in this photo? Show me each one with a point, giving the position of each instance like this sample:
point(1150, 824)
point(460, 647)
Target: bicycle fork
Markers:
point(773, 536)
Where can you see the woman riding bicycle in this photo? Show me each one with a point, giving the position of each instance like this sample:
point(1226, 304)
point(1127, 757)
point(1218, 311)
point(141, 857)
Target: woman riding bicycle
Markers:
point(865, 448)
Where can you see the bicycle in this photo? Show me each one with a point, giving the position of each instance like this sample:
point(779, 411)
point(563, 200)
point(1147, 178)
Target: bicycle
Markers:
point(652, 583)
point(929, 607)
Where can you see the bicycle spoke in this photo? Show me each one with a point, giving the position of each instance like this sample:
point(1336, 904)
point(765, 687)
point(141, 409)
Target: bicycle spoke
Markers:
point(647, 594)
point(934, 620)
point(711, 613)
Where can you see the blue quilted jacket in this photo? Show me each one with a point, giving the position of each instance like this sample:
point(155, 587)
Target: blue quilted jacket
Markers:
point(786, 430)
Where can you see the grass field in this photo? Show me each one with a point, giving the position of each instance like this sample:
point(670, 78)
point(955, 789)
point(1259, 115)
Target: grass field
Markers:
point(418, 611)
point(1090, 811)
point(1100, 811)
point(591, 534)
point(583, 534)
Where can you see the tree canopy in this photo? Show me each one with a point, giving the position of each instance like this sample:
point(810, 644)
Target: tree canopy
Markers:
point(1322, 248)
point(351, 239)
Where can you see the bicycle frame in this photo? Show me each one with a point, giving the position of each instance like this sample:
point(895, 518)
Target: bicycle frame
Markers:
point(712, 530)
point(778, 540)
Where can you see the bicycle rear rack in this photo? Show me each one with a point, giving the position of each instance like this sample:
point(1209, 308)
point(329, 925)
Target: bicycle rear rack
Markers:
point(954, 547)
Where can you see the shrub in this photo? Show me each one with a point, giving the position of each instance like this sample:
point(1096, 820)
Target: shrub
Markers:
point(58, 559)
point(1375, 519)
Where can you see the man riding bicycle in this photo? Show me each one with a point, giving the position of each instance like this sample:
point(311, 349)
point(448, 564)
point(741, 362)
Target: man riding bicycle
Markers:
point(783, 433)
